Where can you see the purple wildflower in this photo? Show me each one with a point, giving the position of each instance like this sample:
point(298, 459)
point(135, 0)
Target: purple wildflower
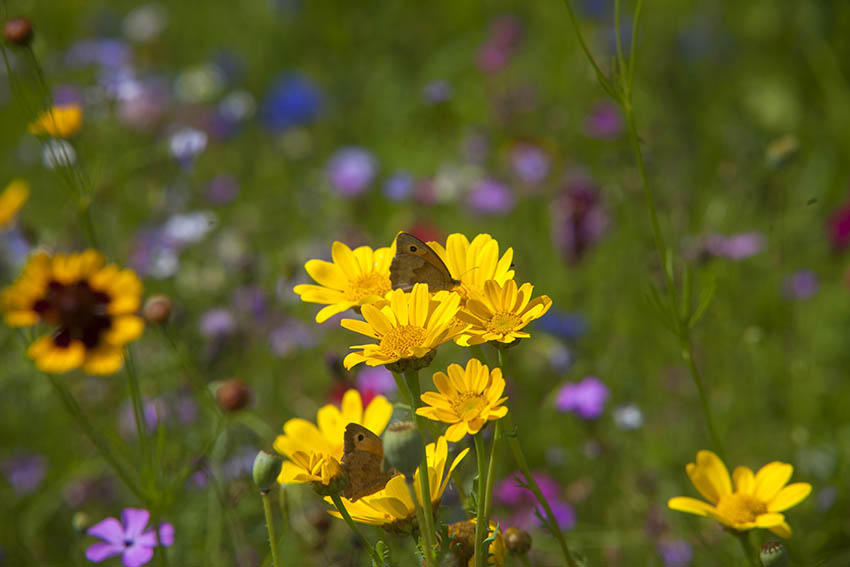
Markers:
point(292, 101)
point(129, 538)
point(351, 170)
point(436, 92)
point(290, 336)
point(222, 189)
point(25, 472)
point(736, 246)
point(802, 284)
point(524, 507)
point(530, 163)
point(604, 122)
point(490, 197)
point(217, 323)
point(675, 553)
point(398, 187)
point(586, 398)
point(578, 219)
point(375, 379)
point(186, 144)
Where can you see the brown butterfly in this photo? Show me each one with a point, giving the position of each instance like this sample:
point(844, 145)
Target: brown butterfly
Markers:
point(362, 459)
point(415, 262)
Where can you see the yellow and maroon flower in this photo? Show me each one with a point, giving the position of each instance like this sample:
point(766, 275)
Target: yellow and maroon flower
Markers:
point(92, 307)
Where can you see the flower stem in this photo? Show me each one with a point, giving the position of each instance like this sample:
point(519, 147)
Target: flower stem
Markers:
point(138, 408)
point(351, 524)
point(412, 382)
point(749, 550)
point(519, 457)
point(267, 508)
point(97, 440)
point(491, 471)
point(481, 522)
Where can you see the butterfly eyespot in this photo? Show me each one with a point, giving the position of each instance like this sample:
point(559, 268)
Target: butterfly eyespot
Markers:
point(361, 437)
point(413, 249)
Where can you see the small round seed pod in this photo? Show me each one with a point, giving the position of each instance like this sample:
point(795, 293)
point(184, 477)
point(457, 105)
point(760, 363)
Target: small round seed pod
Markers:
point(266, 469)
point(233, 395)
point(403, 447)
point(17, 31)
point(517, 541)
point(157, 309)
point(773, 554)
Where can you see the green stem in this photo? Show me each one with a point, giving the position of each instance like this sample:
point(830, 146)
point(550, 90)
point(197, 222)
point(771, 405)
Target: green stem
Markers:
point(97, 440)
point(412, 382)
point(519, 457)
point(687, 353)
point(267, 508)
point(749, 550)
point(351, 524)
point(481, 522)
point(420, 514)
point(600, 76)
point(491, 471)
point(138, 408)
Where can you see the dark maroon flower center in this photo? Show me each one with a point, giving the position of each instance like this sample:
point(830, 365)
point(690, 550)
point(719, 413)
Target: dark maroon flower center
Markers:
point(79, 312)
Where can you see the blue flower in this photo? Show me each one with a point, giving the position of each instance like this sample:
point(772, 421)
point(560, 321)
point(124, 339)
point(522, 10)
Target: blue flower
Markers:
point(292, 101)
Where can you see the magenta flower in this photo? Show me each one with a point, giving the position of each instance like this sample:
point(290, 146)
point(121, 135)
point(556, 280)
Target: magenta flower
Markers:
point(128, 538)
point(586, 398)
point(524, 507)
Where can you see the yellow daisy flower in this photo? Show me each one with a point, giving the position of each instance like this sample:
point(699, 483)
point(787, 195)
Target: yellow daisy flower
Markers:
point(312, 467)
point(61, 121)
point(354, 278)
point(92, 306)
point(502, 313)
point(12, 199)
point(467, 399)
point(327, 440)
point(474, 263)
point(411, 326)
point(756, 501)
point(392, 507)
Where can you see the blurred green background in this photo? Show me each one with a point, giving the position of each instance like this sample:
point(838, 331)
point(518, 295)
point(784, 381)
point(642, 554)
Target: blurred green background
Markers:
point(743, 111)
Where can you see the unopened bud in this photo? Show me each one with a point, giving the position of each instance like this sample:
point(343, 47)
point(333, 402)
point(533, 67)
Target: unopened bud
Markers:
point(517, 541)
point(403, 449)
point(157, 309)
point(233, 395)
point(462, 541)
point(17, 31)
point(773, 554)
point(266, 469)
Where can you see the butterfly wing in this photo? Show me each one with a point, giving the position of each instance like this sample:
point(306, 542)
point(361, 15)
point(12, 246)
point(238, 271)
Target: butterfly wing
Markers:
point(362, 461)
point(415, 262)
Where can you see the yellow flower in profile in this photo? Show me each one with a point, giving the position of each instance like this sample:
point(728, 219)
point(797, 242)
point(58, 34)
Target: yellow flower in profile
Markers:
point(502, 313)
point(354, 278)
point(312, 467)
point(91, 305)
point(467, 399)
point(327, 440)
point(392, 507)
point(756, 501)
point(474, 263)
point(62, 121)
point(12, 199)
point(411, 326)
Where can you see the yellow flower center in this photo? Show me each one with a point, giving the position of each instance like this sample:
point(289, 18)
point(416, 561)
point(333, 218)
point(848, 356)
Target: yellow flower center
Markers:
point(468, 406)
point(740, 508)
point(503, 322)
point(399, 342)
point(368, 284)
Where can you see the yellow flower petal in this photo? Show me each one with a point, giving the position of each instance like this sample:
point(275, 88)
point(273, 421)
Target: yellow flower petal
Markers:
point(710, 476)
point(744, 480)
point(690, 505)
point(770, 479)
point(783, 530)
point(377, 415)
point(789, 496)
point(103, 360)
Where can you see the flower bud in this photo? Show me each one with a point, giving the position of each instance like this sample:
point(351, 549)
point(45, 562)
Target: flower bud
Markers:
point(517, 541)
point(773, 554)
point(157, 309)
point(266, 468)
point(17, 31)
point(80, 522)
point(233, 395)
point(403, 447)
point(462, 541)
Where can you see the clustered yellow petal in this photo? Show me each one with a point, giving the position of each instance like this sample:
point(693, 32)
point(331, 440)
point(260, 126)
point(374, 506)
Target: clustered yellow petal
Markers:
point(326, 441)
point(501, 313)
point(310, 467)
point(61, 121)
point(756, 501)
point(354, 278)
point(92, 307)
point(474, 263)
point(12, 199)
point(410, 326)
point(392, 507)
point(468, 398)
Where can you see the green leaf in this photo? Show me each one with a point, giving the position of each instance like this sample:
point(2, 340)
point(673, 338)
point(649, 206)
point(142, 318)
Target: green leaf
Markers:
point(705, 297)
